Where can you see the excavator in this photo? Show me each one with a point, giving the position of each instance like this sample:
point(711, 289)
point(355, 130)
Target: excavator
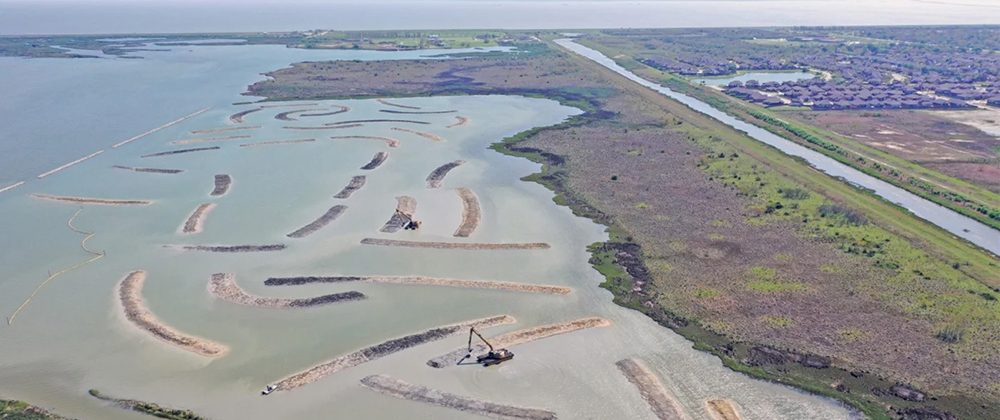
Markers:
point(493, 357)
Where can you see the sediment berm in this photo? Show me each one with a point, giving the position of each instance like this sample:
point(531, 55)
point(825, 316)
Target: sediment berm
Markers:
point(384, 349)
point(376, 161)
point(423, 281)
point(277, 142)
point(436, 177)
point(150, 170)
point(430, 136)
point(208, 140)
point(196, 221)
point(660, 401)
point(92, 200)
point(394, 111)
point(223, 286)
point(355, 184)
point(375, 120)
point(229, 248)
point(287, 115)
point(514, 338)
point(326, 114)
point(130, 297)
point(406, 206)
point(391, 142)
point(148, 408)
point(472, 246)
point(222, 183)
point(336, 127)
point(332, 214)
point(459, 121)
point(237, 118)
point(471, 213)
point(179, 151)
point(385, 102)
point(400, 389)
point(722, 410)
point(224, 129)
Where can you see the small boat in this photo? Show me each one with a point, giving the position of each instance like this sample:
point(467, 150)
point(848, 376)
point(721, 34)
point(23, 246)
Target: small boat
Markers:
point(268, 390)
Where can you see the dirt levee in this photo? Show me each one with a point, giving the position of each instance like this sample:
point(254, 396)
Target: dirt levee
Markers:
point(659, 399)
point(423, 281)
point(223, 286)
point(457, 245)
point(376, 161)
point(399, 389)
point(332, 214)
point(92, 200)
point(196, 221)
point(471, 213)
point(436, 176)
point(355, 184)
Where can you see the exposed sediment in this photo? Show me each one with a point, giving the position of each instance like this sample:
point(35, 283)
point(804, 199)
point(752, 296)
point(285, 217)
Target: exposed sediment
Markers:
point(406, 206)
point(722, 410)
point(209, 140)
point(92, 200)
point(376, 161)
point(289, 105)
point(195, 223)
point(514, 338)
point(237, 118)
point(60, 168)
point(149, 170)
point(323, 128)
point(342, 109)
point(394, 111)
point(276, 142)
point(436, 176)
point(130, 297)
point(179, 151)
point(423, 281)
point(148, 408)
point(222, 183)
point(400, 389)
point(177, 121)
point(223, 286)
point(229, 248)
point(355, 184)
point(375, 120)
point(384, 349)
point(330, 215)
point(471, 213)
point(459, 121)
point(471, 246)
point(385, 102)
point(660, 401)
point(287, 115)
point(430, 136)
point(224, 129)
point(391, 142)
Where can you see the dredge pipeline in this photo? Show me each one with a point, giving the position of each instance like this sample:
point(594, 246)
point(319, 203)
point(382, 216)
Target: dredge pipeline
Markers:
point(376, 161)
point(12, 186)
point(330, 215)
point(130, 297)
point(391, 142)
point(430, 136)
point(222, 183)
point(400, 389)
point(514, 338)
point(179, 151)
point(195, 222)
point(406, 206)
point(471, 213)
point(423, 281)
point(223, 286)
point(91, 200)
point(149, 170)
point(355, 184)
point(436, 177)
point(177, 121)
point(663, 405)
point(457, 245)
point(384, 349)
point(43, 175)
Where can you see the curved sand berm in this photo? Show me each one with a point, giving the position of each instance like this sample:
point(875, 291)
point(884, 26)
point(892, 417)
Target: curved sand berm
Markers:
point(660, 401)
point(385, 102)
point(289, 127)
point(376, 161)
point(391, 142)
point(130, 298)
point(237, 118)
point(92, 200)
point(330, 215)
point(287, 115)
point(223, 286)
point(400, 389)
point(436, 176)
point(383, 349)
point(325, 114)
point(722, 410)
point(430, 136)
point(424, 281)
point(514, 338)
point(406, 206)
point(195, 223)
point(459, 121)
point(393, 111)
point(471, 213)
point(471, 246)
point(355, 184)
point(222, 183)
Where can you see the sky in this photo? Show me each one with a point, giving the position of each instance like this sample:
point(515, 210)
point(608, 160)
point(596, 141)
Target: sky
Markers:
point(173, 16)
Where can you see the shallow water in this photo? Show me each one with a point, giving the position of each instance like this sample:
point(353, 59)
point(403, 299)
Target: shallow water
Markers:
point(72, 337)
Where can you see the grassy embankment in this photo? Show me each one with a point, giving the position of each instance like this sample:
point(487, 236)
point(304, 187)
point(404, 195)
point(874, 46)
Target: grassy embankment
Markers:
point(148, 408)
point(20, 410)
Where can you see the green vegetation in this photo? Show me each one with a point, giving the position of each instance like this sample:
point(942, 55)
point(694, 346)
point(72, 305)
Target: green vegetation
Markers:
point(20, 410)
point(148, 408)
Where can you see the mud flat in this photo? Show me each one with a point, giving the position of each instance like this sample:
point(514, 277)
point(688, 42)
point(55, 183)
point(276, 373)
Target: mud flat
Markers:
point(514, 338)
point(208, 140)
point(423, 281)
point(342, 110)
point(222, 183)
point(223, 286)
point(355, 184)
point(722, 410)
point(436, 176)
point(177, 152)
point(391, 142)
point(471, 213)
point(149, 170)
point(177, 121)
point(471, 246)
point(196, 221)
point(387, 103)
point(287, 115)
point(459, 121)
point(376, 120)
point(400, 389)
point(43, 175)
point(406, 206)
point(130, 297)
point(229, 248)
point(376, 161)
point(393, 111)
point(237, 118)
point(277, 142)
point(224, 129)
point(659, 399)
point(148, 408)
point(332, 214)
point(289, 127)
point(12, 186)
point(92, 200)
point(383, 349)
point(430, 136)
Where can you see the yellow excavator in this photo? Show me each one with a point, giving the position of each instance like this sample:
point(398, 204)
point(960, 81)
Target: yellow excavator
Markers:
point(493, 357)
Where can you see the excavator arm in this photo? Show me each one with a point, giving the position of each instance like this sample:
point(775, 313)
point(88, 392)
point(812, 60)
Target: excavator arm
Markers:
point(472, 330)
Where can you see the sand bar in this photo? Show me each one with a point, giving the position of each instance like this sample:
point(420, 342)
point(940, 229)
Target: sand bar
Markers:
point(459, 121)
point(12, 186)
point(237, 118)
point(471, 213)
point(436, 176)
point(722, 410)
point(385, 102)
point(514, 338)
point(383, 349)
point(430, 136)
point(332, 214)
point(224, 129)
point(92, 200)
point(663, 404)
point(389, 141)
point(43, 175)
point(406, 206)
point(149, 170)
point(376, 161)
point(471, 246)
point(355, 184)
point(196, 221)
point(130, 297)
point(221, 185)
point(177, 121)
point(323, 128)
point(223, 286)
point(179, 151)
point(209, 140)
point(229, 248)
point(400, 389)
point(423, 281)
